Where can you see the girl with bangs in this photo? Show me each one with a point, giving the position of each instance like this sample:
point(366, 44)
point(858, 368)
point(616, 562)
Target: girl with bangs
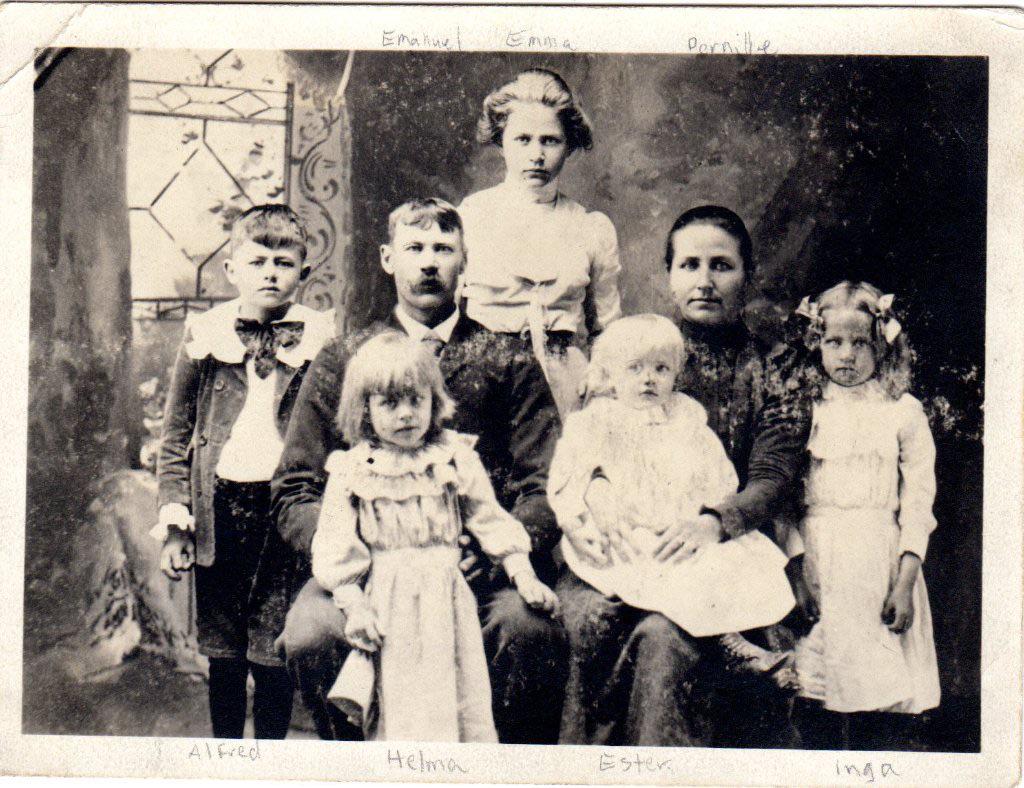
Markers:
point(386, 548)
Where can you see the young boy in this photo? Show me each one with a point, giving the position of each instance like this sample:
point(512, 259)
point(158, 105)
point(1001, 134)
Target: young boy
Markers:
point(234, 383)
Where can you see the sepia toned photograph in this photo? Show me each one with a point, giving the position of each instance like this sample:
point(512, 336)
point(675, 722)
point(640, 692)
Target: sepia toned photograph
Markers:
point(407, 394)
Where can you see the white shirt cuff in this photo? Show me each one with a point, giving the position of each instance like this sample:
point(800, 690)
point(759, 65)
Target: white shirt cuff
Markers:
point(176, 514)
point(516, 563)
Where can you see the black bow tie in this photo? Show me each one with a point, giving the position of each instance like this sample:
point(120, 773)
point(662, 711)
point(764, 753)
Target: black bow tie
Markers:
point(262, 340)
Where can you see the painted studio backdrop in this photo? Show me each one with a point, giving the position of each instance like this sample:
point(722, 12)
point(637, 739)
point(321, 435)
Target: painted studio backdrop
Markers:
point(861, 168)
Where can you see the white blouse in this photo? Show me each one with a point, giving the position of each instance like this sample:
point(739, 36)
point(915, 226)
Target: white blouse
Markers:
point(530, 263)
point(869, 451)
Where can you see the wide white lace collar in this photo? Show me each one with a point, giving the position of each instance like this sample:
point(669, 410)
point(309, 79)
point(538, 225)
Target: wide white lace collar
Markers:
point(213, 334)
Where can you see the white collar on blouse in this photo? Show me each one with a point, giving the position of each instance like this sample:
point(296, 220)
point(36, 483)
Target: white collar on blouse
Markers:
point(416, 330)
point(870, 391)
point(547, 195)
point(213, 334)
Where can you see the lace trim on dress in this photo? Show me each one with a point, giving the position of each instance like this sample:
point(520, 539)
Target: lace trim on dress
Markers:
point(372, 472)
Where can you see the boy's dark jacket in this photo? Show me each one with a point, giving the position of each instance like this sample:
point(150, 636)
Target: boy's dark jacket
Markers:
point(501, 396)
point(207, 391)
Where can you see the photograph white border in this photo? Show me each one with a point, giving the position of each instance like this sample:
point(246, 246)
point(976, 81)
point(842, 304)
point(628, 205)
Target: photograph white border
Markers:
point(995, 33)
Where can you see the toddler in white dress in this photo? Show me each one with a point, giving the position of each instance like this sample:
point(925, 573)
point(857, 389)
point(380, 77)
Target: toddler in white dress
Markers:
point(869, 492)
point(635, 463)
point(386, 547)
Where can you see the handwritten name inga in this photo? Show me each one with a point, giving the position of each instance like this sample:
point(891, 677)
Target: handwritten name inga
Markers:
point(867, 772)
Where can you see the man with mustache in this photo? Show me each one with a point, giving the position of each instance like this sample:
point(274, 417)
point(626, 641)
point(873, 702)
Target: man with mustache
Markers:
point(502, 398)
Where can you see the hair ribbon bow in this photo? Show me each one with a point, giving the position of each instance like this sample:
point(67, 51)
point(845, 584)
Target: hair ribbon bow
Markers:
point(890, 325)
point(808, 309)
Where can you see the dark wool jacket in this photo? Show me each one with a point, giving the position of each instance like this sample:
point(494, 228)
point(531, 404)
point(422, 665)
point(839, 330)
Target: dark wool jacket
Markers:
point(206, 394)
point(752, 395)
point(501, 396)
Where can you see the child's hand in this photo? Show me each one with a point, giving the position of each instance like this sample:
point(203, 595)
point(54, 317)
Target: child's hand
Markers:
point(590, 543)
point(898, 610)
point(535, 593)
point(471, 564)
point(178, 553)
point(362, 629)
point(603, 505)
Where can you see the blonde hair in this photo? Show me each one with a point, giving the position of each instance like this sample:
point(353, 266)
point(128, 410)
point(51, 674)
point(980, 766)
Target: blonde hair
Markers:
point(540, 86)
point(391, 364)
point(893, 361)
point(628, 339)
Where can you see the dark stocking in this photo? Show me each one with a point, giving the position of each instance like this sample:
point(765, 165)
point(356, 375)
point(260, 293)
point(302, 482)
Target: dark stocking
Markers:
point(227, 697)
point(272, 701)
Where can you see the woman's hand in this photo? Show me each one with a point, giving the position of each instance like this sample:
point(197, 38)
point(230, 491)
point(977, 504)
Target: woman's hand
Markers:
point(178, 553)
point(535, 593)
point(362, 629)
point(685, 538)
point(589, 543)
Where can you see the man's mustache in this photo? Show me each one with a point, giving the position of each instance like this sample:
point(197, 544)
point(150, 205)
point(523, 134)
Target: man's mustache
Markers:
point(429, 285)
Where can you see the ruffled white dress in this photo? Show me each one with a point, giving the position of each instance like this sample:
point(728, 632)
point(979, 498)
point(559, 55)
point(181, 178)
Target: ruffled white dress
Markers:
point(394, 520)
point(869, 495)
point(664, 465)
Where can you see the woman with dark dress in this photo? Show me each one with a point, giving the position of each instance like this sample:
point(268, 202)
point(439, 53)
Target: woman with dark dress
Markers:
point(643, 680)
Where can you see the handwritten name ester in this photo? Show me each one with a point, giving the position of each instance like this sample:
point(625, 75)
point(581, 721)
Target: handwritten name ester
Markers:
point(633, 764)
point(418, 762)
point(737, 45)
